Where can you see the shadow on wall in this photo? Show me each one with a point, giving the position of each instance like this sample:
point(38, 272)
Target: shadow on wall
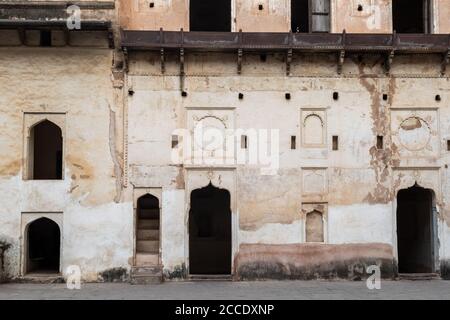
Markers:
point(3, 247)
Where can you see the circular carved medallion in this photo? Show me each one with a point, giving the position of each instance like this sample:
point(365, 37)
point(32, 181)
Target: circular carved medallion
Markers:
point(414, 133)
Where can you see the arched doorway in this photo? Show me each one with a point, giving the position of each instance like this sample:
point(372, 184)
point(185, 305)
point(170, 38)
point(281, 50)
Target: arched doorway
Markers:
point(415, 230)
point(45, 151)
point(210, 231)
point(43, 246)
point(148, 221)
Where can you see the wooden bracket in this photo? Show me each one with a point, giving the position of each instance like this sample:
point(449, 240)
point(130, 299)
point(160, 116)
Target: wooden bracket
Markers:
point(22, 36)
point(182, 62)
point(111, 38)
point(445, 62)
point(163, 61)
point(162, 57)
point(341, 59)
point(239, 61)
point(182, 54)
point(288, 62)
point(67, 36)
point(125, 59)
point(388, 61)
point(240, 53)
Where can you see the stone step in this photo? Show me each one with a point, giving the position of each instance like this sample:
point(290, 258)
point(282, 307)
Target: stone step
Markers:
point(418, 276)
point(147, 259)
point(146, 275)
point(211, 277)
point(147, 246)
point(145, 269)
point(148, 224)
point(149, 214)
point(41, 278)
point(147, 234)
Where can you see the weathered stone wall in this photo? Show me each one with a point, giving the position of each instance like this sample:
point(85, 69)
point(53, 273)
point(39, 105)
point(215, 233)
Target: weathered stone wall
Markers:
point(274, 16)
point(356, 185)
point(441, 16)
point(167, 14)
point(375, 16)
point(95, 217)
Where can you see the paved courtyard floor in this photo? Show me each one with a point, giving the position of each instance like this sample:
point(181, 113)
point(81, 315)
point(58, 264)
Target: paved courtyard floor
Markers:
point(207, 290)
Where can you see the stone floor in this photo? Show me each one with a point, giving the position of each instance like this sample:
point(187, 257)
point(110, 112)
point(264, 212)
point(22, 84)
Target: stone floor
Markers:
point(207, 290)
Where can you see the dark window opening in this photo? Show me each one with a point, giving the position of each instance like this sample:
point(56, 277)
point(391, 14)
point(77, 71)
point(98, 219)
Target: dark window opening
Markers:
point(380, 142)
point(44, 239)
point(174, 141)
point(415, 230)
point(244, 142)
point(448, 145)
point(335, 95)
point(335, 143)
point(310, 16)
point(147, 233)
point(210, 15)
point(47, 151)
point(293, 142)
point(45, 38)
point(210, 231)
point(411, 16)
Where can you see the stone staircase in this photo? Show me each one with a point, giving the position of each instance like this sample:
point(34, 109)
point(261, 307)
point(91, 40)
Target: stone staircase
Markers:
point(147, 267)
point(210, 277)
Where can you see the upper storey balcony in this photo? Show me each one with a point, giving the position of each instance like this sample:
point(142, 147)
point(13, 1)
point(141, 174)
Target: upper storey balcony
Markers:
point(387, 27)
point(298, 16)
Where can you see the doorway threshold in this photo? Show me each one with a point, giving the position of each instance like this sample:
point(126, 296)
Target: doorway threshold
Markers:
point(419, 276)
point(44, 278)
point(210, 277)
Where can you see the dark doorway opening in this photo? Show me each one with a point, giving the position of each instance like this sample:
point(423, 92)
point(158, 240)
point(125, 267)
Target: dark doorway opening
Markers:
point(210, 231)
point(44, 240)
point(147, 233)
point(210, 15)
point(415, 230)
point(300, 16)
point(310, 16)
point(46, 151)
point(411, 16)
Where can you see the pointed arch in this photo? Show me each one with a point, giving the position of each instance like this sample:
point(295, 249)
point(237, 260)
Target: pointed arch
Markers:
point(45, 151)
point(210, 229)
point(416, 230)
point(314, 226)
point(43, 243)
point(148, 225)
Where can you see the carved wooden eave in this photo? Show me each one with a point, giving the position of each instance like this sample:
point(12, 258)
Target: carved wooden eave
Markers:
point(340, 44)
point(53, 15)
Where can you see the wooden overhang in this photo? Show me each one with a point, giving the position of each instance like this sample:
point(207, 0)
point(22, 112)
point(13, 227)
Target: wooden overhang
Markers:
point(53, 15)
point(240, 42)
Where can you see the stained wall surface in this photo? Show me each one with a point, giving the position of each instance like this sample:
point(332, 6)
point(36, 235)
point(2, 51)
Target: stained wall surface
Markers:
point(72, 87)
point(355, 187)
